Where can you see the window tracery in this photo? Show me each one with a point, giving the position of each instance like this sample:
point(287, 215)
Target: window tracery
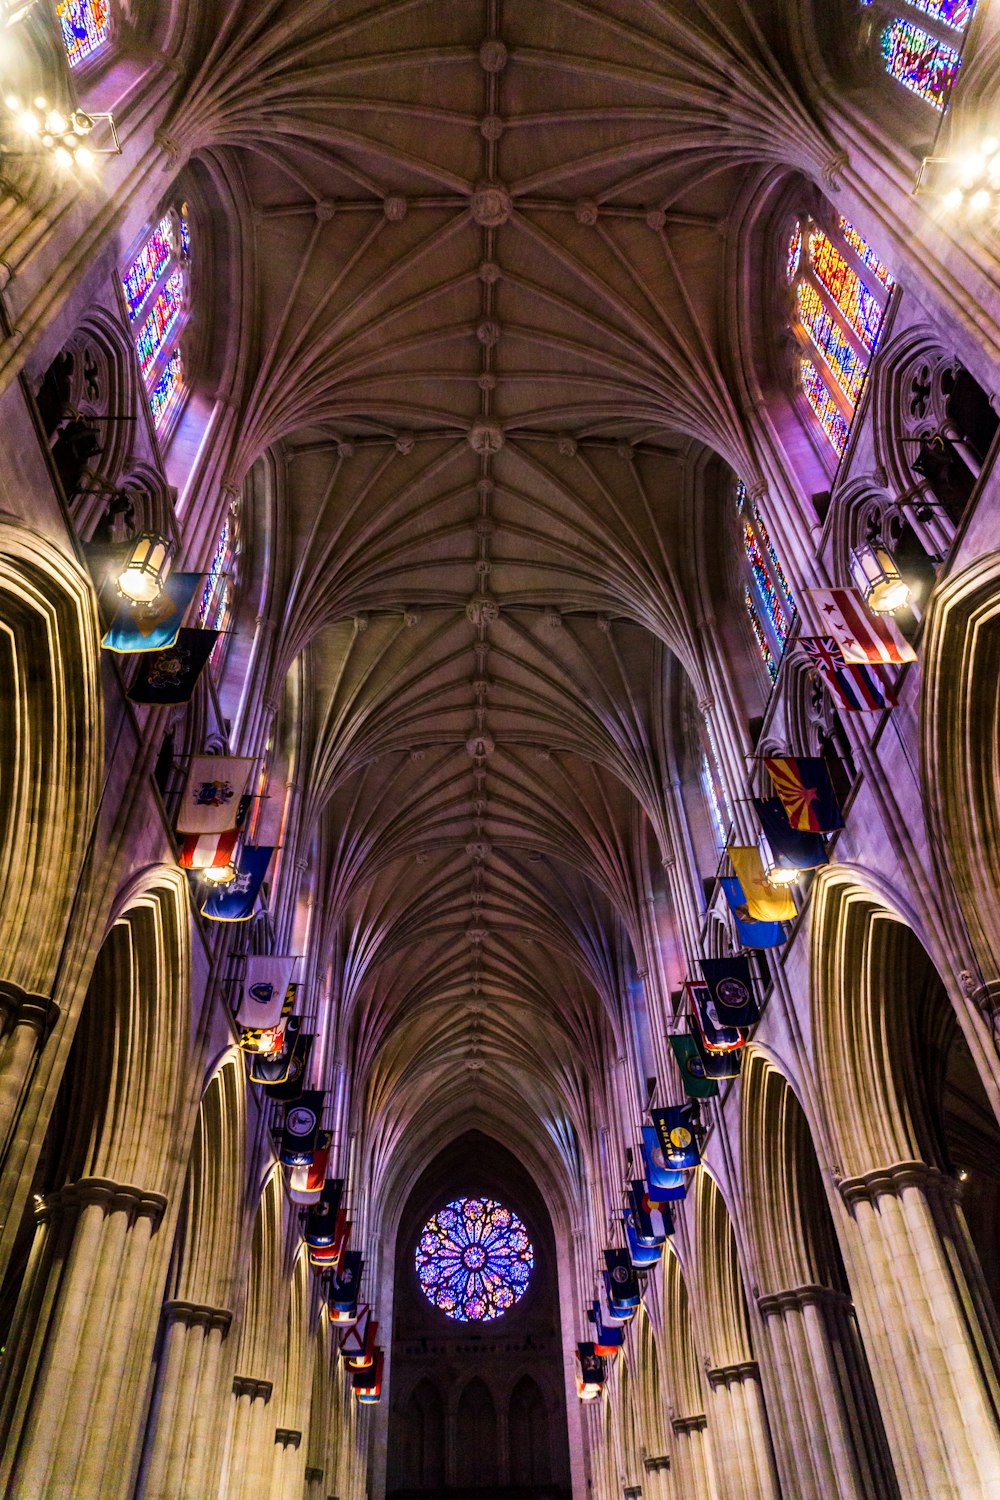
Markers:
point(768, 599)
point(218, 598)
point(842, 289)
point(474, 1260)
point(156, 287)
point(85, 26)
point(920, 59)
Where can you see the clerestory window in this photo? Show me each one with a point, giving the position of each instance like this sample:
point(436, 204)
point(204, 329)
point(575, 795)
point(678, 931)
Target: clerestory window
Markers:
point(156, 286)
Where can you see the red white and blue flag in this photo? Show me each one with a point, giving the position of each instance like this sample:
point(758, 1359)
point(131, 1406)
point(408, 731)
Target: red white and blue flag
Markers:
point(856, 688)
point(863, 636)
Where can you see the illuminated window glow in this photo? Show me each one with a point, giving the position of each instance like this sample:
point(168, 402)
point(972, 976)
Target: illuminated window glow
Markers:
point(766, 587)
point(954, 13)
point(865, 253)
point(860, 307)
point(917, 60)
point(764, 646)
point(842, 359)
point(155, 334)
point(720, 828)
point(167, 390)
point(820, 398)
point(776, 567)
point(474, 1260)
point(794, 252)
point(148, 266)
point(85, 27)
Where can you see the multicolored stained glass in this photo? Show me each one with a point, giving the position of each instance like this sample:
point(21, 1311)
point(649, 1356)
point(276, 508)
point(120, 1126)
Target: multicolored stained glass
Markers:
point(85, 27)
point(861, 308)
point(220, 581)
point(720, 828)
point(866, 254)
point(167, 390)
point(766, 587)
point(917, 60)
point(741, 494)
point(148, 266)
point(776, 567)
point(954, 13)
point(820, 398)
point(767, 655)
point(840, 355)
point(185, 232)
point(154, 335)
point(474, 1260)
point(794, 252)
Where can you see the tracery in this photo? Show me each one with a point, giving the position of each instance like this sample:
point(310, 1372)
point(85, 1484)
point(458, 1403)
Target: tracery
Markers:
point(156, 287)
point(923, 61)
point(474, 1260)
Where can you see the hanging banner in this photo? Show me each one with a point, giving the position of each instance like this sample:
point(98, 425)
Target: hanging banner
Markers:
point(263, 989)
point(151, 627)
point(215, 785)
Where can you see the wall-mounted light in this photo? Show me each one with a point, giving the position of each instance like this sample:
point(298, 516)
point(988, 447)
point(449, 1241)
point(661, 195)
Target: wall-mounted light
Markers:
point(146, 567)
point(874, 570)
point(219, 874)
point(966, 185)
point(777, 869)
point(65, 137)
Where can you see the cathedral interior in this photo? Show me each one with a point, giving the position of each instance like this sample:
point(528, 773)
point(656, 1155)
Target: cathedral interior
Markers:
point(499, 770)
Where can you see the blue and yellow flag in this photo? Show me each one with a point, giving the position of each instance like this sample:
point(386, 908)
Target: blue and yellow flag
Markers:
point(152, 627)
point(235, 902)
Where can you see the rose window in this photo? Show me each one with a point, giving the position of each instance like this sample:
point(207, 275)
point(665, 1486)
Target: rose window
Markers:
point(474, 1260)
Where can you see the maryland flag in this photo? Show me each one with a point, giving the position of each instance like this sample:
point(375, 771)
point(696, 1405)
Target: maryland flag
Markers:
point(806, 791)
point(765, 902)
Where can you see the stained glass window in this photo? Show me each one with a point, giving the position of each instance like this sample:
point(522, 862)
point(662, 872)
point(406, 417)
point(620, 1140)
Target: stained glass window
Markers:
point(154, 335)
point(85, 27)
point(865, 253)
point(955, 13)
point(917, 60)
point(474, 1260)
point(860, 307)
point(148, 266)
point(766, 586)
point(167, 390)
point(720, 829)
point(776, 567)
point(821, 400)
point(842, 359)
point(794, 251)
point(763, 643)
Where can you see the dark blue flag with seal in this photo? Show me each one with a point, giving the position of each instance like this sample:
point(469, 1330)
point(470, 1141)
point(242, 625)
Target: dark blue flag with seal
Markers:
point(235, 902)
point(718, 1033)
point(345, 1284)
point(730, 983)
point(302, 1126)
point(591, 1364)
point(320, 1228)
point(170, 676)
point(621, 1282)
point(677, 1140)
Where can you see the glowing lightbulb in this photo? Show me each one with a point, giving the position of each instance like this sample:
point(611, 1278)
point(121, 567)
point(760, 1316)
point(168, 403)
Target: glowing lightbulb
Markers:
point(85, 157)
point(13, 103)
point(28, 122)
point(62, 158)
point(954, 199)
point(56, 122)
point(979, 202)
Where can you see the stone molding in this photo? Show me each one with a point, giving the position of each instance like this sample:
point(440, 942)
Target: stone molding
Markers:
point(257, 1390)
point(882, 1182)
point(313, 1476)
point(287, 1437)
point(20, 1007)
point(796, 1298)
point(696, 1423)
point(659, 1464)
point(747, 1369)
point(195, 1314)
point(115, 1197)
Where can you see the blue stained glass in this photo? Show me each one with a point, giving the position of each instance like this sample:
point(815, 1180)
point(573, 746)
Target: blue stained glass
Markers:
point(954, 13)
point(867, 254)
point(741, 494)
point(820, 398)
point(148, 266)
point(154, 335)
point(767, 655)
point(85, 27)
point(794, 252)
point(719, 826)
point(861, 308)
point(765, 584)
point(164, 395)
point(776, 567)
point(474, 1260)
point(917, 60)
point(841, 357)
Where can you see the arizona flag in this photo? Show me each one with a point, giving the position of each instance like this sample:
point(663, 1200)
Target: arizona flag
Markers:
point(806, 791)
point(863, 636)
point(213, 794)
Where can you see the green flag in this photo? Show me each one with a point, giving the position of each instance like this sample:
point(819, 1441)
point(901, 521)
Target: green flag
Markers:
point(696, 1084)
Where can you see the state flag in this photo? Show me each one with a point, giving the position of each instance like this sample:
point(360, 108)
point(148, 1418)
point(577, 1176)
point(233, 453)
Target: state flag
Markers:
point(717, 1065)
point(235, 902)
point(643, 1257)
point(765, 902)
point(858, 689)
point(353, 1341)
point(169, 676)
point(213, 793)
point(793, 850)
point(806, 791)
point(663, 1181)
point(290, 1086)
point(152, 627)
point(608, 1337)
point(697, 1084)
point(591, 1364)
point(863, 636)
point(717, 1034)
point(653, 1220)
point(345, 1286)
point(298, 1187)
point(751, 934)
point(213, 851)
point(675, 1134)
point(730, 984)
point(273, 1067)
point(367, 1384)
point(320, 1228)
point(263, 990)
point(622, 1282)
point(301, 1128)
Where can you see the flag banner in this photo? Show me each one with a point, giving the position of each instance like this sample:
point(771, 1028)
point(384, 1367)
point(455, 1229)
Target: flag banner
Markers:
point(792, 850)
point(272, 811)
point(366, 1359)
point(215, 787)
point(803, 784)
point(751, 934)
point(643, 1257)
point(653, 1221)
point(623, 1283)
point(298, 1187)
point(235, 902)
point(290, 1087)
point(353, 1341)
point(302, 1125)
point(273, 1041)
point(212, 851)
point(367, 1384)
point(663, 1181)
point(170, 675)
point(697, 1085)
point(765, 902)
point(612, 1315)
point(346, 1283)
point(675, 1133)
point(854, 688)
point(272, 1068)
point(715, 1032)
point(608, 1338)
point(151, 627)
point(321, 1221)
point(862, 635)
point(591, 1364)
point(263, 990)
point(320, 1162)
point(717, 1065)
point(730, 983)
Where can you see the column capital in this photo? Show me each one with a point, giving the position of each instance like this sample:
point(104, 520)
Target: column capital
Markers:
point(314, 1476)
point(696, 1423)
point(287, 1437)
point(196, 1313)
point(796, 1298)
point(115, 1196)
point(257, 1390)
point(658, 1464)
point(20, 1007)
point(885, 1181)
point(747, 1369)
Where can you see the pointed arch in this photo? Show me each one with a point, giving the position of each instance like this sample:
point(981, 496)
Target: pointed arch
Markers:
point(208, 1241)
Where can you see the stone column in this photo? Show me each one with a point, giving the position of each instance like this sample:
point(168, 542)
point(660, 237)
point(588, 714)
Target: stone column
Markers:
point(289, 1465)
point(314, 1484)
point(70, 1405)
point(182, 1444)
point(743, 1455)
point(657, 1483)
point(828, 1439)
point(933, 1359)
point(24, 1020)
point(251, 1451)
point(691, 1463)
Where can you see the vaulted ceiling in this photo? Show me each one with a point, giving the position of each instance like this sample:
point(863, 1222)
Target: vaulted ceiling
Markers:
point(488, 293)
